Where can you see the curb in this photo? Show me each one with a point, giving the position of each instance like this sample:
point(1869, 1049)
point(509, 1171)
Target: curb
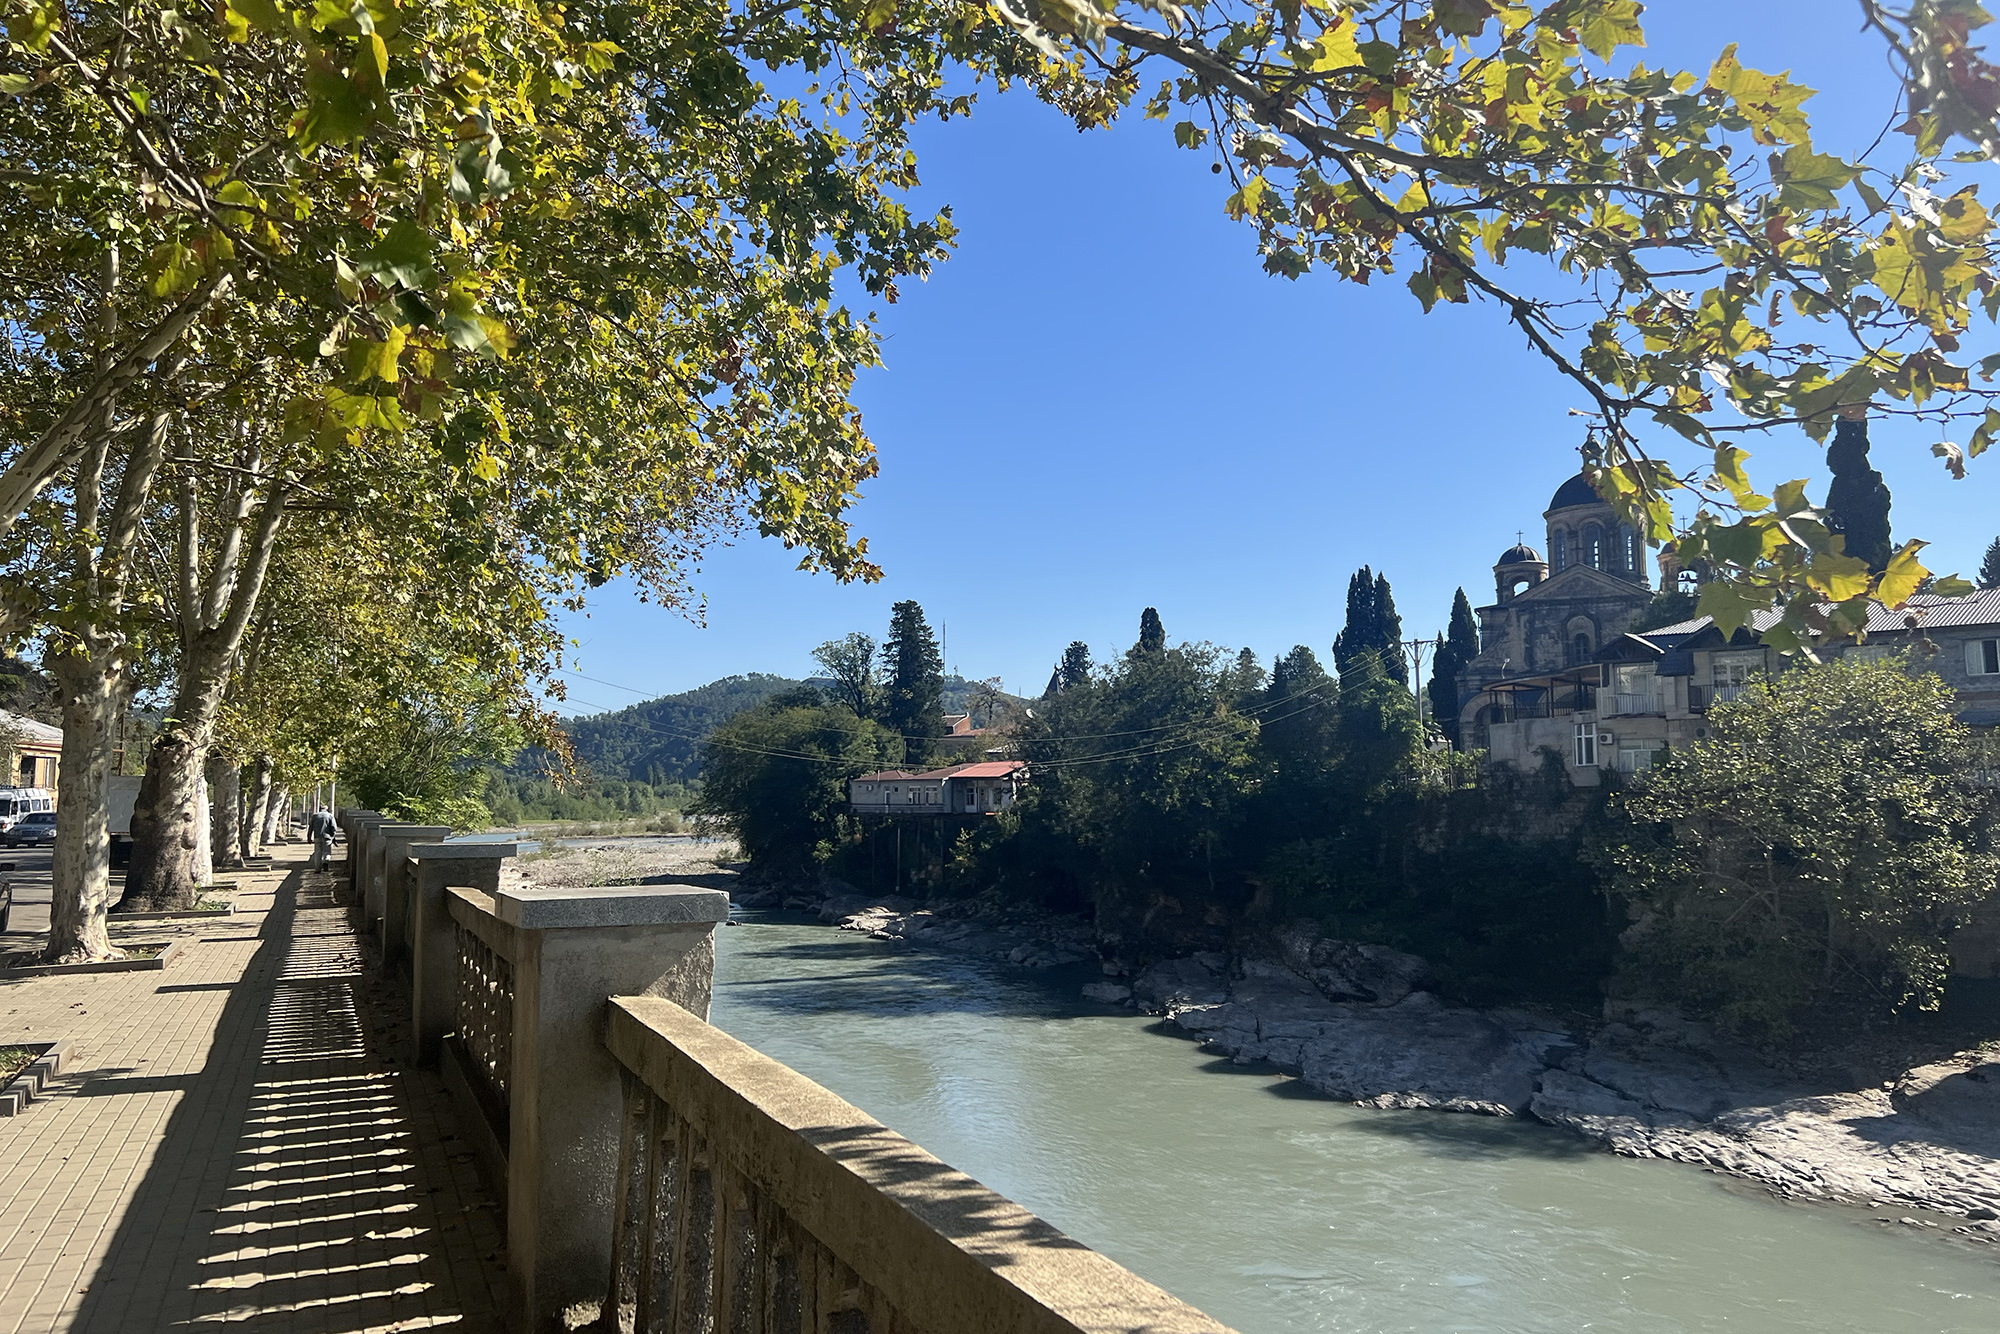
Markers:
point(28, 1084)
point(117, 917)
point(154, 964)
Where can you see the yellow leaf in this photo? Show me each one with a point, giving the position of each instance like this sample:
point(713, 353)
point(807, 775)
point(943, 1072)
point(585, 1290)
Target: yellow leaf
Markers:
point(1904, 574)
point(1336, 48)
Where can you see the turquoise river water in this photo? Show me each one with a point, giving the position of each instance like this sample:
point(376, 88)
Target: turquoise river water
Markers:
point(1287, 1214)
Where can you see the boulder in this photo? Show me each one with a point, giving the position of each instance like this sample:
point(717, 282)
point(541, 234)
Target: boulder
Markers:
point(1344, 970)
point(1108, 993)
point(1173, 982)
point(1419, 1054)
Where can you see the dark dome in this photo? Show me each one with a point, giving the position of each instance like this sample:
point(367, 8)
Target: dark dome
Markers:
point(1519, 555)
point(1576, 491)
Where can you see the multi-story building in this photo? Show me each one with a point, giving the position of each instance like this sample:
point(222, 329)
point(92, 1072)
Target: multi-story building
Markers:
point(959, 789)
point(1651, 690)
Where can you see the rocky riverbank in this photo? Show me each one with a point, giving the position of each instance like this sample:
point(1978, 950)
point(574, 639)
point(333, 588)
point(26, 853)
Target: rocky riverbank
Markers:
point(1359, 1023)
point(1365, 1024)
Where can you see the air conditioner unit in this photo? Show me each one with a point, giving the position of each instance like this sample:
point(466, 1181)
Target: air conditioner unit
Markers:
point(1606, 739)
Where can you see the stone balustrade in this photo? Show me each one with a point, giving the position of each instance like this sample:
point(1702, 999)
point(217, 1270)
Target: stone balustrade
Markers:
point(752, 1200)
point(655, 1168)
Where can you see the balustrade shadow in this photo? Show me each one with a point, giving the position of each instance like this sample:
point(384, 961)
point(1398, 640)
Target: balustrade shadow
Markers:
point(299, 1184)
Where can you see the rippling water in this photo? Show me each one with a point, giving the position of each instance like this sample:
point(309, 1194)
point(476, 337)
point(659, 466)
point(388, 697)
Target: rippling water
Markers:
point(1280, 1213)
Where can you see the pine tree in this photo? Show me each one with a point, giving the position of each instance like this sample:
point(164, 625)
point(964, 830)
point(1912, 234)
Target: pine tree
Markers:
point(1389, 632)
point(1857, 501)
point(1989, 569)
point(1152, 634)
point(913, 702)
point(1075, 668)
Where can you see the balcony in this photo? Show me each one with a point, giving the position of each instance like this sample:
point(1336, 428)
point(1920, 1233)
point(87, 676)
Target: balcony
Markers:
point(1703, 698)
point(1623, 705)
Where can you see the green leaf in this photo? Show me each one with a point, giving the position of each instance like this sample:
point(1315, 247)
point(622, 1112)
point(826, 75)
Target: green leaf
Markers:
point(1610, 25)
point(173, 268)
point(242, 15)
point(402, 257)
point(334, 113)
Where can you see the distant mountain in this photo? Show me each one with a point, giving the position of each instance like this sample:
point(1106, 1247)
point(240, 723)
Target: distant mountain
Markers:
point(659, 741)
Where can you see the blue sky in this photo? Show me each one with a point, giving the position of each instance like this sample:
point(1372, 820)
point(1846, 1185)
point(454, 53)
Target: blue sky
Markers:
point(1101, 403)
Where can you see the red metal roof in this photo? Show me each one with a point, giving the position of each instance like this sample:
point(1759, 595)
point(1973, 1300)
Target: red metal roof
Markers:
point(989, 769)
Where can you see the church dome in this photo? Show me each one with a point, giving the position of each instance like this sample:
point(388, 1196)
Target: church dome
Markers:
point(1576, 491)
point(1520, 554)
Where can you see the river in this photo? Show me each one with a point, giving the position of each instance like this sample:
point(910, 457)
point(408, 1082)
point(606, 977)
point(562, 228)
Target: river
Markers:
point(1282, 1213)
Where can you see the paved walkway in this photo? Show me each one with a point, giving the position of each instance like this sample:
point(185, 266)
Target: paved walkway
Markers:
point(239, 1139)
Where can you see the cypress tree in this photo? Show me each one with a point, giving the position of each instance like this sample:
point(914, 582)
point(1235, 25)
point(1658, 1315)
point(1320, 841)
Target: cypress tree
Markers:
point(1055, 684)
point(1152, 634)
point(1989, 569)
point(1457, 647)
point(1857, 501)
point(913, 703)
point(1357, 635)
point(1389, 632)
point(1075, 668)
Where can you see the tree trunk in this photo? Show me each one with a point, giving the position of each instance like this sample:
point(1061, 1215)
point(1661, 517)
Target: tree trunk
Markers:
point(91, 699)
point(225, 809)
point(260, 800)
point(166, 833)
point(278, 816)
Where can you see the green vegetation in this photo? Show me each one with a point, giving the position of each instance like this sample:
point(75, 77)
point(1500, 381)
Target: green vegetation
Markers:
point(1458, 646)
point(13, 1060)
point(345, 344)
point(777, 774)
point(1989, 568)
point(912, 691)
point(1857, 500)
point(515, 799)
point(1822, 843)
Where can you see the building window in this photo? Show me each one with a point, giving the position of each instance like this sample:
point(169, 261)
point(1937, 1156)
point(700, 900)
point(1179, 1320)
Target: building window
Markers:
point(1982, 657)
point(1579, 650)
point(1558, 549)
point(1586, 745)
point(1593, 547)
point(1636, 759)
point(1629, 539)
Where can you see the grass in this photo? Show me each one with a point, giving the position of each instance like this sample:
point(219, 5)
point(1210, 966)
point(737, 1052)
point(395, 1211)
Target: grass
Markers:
point(13, 1060)
point(211, 905)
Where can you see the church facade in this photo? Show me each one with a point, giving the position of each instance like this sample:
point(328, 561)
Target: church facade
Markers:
point(1550, 618)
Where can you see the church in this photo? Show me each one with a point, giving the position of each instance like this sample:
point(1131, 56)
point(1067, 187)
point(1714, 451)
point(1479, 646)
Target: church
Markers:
point(1553, 615)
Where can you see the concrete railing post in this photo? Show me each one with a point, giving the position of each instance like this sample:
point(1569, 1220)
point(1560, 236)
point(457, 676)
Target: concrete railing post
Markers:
point(357, 825)
point(434, 943)
point(375, 870)
point(396, 841)
point(577, 949)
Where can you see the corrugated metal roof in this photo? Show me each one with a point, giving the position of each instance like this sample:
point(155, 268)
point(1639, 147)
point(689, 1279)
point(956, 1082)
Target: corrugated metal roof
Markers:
point(31, 729)
point(1927, 610)
point(887, 776)
point(987, 769)
point(1936, 613)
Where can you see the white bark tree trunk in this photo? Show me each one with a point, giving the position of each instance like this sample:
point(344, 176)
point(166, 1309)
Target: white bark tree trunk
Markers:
point(91, 700)
point(226, 809)
point(278, 816)
point(256, 807)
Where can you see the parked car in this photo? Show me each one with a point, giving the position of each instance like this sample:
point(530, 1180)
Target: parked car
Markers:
point(36, 828)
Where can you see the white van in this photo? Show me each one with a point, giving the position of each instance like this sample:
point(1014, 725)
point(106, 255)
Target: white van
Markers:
point(16, 802)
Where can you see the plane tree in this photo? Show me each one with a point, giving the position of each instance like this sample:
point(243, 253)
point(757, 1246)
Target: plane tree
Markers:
point(1700, 269)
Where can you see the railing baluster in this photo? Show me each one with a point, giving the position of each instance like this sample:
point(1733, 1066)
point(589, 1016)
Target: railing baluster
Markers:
point(656, 1292)
point(636, 1175)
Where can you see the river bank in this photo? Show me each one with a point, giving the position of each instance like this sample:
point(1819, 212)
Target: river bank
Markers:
point(1364, 1024)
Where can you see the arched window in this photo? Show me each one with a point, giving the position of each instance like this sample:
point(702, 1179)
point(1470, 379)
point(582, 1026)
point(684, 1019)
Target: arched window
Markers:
point(1634, 554)
point(1558, 550)
point(1593, 547)
point(1579, 650)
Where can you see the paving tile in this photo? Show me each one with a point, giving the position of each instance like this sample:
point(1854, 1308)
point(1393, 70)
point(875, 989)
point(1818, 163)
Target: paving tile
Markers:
point(239, 1139)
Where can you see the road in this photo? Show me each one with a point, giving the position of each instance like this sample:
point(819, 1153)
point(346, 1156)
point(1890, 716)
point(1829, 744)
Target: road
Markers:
point(30, 875)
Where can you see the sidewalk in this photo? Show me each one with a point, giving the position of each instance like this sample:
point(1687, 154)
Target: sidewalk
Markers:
point(239, 1138)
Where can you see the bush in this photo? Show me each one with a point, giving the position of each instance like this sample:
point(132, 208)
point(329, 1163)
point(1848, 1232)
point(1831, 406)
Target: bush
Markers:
point(1824, 841)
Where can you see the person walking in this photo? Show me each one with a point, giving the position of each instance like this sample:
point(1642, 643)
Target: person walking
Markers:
point(321, 828)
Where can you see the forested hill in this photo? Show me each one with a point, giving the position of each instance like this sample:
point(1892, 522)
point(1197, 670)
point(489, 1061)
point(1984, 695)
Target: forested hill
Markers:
point(659, 741)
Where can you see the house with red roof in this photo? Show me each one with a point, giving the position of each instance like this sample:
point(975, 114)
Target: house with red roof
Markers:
point(961, 790)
